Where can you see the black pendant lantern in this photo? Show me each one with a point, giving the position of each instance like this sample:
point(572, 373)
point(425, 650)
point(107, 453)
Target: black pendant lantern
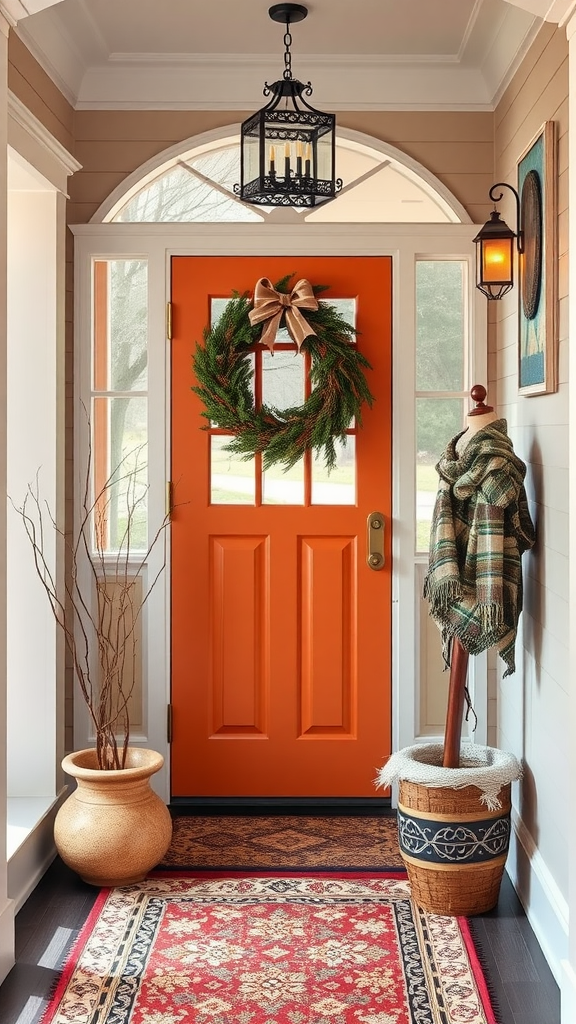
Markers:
point(288, 148)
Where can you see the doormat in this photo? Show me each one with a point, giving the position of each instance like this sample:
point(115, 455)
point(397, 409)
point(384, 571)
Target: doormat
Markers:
point(270, 949)
point(290, 843)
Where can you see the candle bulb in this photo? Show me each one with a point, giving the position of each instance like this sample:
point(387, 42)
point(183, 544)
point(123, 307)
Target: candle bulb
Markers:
point(287, 161)
point(308, 155)
point(272, 170)
point(299, 159)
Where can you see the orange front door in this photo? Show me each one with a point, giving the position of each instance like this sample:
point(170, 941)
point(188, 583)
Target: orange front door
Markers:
point(281, 633)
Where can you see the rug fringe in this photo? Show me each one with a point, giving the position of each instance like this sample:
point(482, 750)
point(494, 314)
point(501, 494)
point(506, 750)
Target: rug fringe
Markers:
point(59, 984)
point(481, 974)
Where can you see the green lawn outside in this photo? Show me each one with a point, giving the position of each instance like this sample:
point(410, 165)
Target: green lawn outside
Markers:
point(426, 478)
point(427, 483)
point(223, 462)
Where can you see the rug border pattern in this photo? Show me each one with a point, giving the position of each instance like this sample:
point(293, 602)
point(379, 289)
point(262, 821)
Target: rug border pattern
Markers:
point(119, 935)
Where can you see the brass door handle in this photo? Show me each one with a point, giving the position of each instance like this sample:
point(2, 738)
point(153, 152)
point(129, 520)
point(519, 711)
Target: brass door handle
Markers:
point(375, 541)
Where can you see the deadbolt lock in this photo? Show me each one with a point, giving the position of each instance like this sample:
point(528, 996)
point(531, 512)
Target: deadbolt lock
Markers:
point(375, 541)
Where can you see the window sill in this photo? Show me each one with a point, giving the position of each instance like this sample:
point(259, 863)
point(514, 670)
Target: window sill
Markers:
point(23, 815)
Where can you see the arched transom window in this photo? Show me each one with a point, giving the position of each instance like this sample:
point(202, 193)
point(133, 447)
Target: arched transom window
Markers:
point(198, 185)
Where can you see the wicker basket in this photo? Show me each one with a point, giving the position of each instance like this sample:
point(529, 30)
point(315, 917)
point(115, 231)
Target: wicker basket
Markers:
point(453, 847)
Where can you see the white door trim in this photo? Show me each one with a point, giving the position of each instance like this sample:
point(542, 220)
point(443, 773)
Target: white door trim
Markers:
point(404, 243)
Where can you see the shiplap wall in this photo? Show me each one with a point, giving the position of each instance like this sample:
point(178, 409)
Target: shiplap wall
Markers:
point(533, 705)
point(30, 83)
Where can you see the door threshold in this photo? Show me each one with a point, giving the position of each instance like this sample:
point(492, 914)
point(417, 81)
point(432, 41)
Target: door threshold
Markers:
point(315, 806)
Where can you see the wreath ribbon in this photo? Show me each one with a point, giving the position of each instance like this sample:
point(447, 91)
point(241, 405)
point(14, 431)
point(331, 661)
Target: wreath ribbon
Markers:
point(269, 305)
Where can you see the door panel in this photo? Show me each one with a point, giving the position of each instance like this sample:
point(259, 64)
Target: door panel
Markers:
point(327, 636)
point(240, 635)
point(280, 630)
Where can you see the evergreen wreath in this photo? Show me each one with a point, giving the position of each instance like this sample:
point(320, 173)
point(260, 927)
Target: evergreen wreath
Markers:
point(338, 385)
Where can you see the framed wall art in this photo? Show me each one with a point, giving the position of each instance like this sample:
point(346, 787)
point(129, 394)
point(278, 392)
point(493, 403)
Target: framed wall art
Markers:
point(538, 265)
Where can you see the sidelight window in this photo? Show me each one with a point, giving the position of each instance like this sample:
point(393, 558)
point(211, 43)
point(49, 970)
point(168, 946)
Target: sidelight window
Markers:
point(119, 415)
point(441, 347)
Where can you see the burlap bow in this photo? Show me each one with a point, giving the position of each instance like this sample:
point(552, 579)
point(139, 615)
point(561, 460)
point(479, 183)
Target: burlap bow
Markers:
point(270, 305)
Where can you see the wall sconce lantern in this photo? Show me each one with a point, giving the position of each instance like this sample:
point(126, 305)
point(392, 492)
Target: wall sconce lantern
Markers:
point(495, 249)
point(288, 151)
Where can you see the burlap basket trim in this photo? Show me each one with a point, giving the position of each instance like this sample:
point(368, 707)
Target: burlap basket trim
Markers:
point(484, 767)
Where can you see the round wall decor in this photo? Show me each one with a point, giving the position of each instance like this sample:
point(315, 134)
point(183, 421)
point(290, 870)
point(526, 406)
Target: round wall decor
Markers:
point(531, 262)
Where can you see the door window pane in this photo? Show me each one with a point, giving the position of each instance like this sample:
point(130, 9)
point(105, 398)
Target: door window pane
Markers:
point(346, 308)
point(338, 487)
point(217, 307)
point(282, 379)
point(440, 325)
point(437, 421)
point(280, 488)
point(232, 479)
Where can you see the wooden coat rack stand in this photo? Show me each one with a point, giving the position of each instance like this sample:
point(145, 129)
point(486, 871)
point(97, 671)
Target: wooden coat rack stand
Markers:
point(459, 656)
point(455, 709)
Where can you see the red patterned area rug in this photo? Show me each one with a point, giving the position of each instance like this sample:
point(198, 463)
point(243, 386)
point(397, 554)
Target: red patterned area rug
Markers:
point(270, 949)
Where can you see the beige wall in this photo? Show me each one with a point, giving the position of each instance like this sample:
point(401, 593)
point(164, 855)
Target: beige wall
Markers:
point(31, 84)
point(457, 147)
point(533, 716)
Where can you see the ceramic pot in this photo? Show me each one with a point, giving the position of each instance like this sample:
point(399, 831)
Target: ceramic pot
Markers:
point(113, 829)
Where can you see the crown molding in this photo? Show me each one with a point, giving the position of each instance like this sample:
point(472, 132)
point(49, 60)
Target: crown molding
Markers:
point(61, 82)
point(15, 10)
point(64, 47)
point(65, 65)
point(265, 60)
point(501, 78)
point(74, 54)
point(468, 34)
point(23, 117)
point(557, 11)
point(569, 9)
point(7, 14)
point(355, 83)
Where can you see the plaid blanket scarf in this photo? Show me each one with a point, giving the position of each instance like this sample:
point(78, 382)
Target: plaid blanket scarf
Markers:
point(480, 528)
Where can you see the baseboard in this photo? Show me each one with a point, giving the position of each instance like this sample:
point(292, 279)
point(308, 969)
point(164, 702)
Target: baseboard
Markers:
point(251, 805)
point(7, 912)
point(33, 857)
point(544, 904)
point(568, 994)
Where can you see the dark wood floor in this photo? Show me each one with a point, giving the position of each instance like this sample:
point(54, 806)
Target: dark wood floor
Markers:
point(522, 986)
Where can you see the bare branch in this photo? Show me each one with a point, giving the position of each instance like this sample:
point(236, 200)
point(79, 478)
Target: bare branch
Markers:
point(99, 609)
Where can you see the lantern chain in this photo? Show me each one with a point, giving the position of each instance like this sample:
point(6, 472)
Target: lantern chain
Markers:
point(287, 73)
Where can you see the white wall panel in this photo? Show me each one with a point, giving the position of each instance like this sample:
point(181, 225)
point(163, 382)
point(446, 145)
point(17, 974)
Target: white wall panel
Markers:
point(533, 705)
